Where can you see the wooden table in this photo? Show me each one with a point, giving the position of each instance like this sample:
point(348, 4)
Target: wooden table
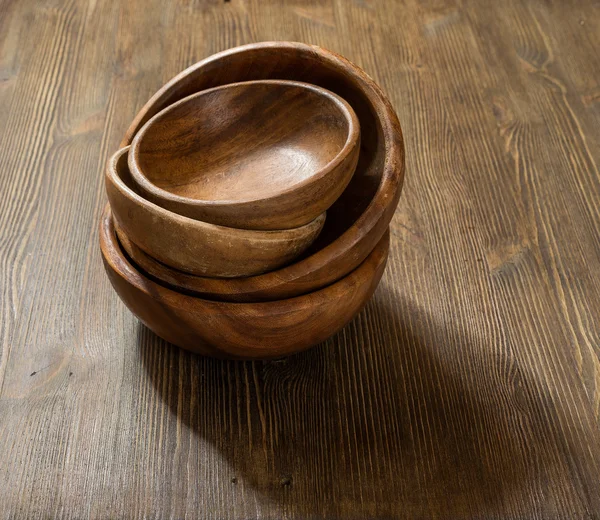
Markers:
point(470, 385)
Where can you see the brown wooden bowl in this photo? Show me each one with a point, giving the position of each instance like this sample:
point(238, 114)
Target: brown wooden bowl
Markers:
point(194, 246)
point(256, 155)
point(360, 217)
point(240, 330)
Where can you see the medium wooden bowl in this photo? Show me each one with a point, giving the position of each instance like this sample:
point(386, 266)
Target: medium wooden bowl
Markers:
point(198, 247)
point(360, 217)
point(256, 155)
point(240, 330)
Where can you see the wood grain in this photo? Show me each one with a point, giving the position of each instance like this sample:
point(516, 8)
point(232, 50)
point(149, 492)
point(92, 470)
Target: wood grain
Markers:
point(468, 388)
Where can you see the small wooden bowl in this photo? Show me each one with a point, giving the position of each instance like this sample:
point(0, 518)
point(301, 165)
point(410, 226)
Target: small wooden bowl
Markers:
point(198, 247)
point(240, 330)
point(255, 155)
point(360, 217)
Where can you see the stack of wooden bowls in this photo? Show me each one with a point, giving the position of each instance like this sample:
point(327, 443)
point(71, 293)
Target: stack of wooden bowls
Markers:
point(250, 201)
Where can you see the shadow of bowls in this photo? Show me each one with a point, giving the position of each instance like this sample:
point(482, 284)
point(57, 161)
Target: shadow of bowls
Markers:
point(397, 416)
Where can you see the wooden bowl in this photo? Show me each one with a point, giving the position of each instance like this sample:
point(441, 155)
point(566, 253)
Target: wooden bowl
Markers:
point(360, 217)
point(240, 330)
point(198, 247)
point(257, 155)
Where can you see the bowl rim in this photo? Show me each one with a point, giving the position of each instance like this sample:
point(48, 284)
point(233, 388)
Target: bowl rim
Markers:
point(263, 249)
point(248, 234)
point(113, 253)
point(388, 192)
point(350, 144)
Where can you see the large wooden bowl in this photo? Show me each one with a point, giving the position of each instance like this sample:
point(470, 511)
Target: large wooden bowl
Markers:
point(265, 154)
point(240, 330)
point(360, 217)
point(198, 247)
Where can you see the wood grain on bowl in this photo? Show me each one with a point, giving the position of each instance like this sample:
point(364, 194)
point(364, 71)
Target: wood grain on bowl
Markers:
point(240, 330)
point(360, 216)
point(266, 154)
point(194, 246)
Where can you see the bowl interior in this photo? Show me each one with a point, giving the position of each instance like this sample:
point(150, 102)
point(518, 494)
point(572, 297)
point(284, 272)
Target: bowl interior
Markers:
point(296, 62)
point(243, 142)
point(359, 218)
point(195, 246)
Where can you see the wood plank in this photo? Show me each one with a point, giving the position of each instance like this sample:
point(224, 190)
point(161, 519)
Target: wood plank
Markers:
point(469, 387)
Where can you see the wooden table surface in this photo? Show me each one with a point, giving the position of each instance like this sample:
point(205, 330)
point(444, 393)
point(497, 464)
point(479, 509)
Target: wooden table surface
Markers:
point(469, 387)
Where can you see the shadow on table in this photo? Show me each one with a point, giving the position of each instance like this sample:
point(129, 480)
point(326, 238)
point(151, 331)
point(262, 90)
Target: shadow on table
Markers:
point(387, 418)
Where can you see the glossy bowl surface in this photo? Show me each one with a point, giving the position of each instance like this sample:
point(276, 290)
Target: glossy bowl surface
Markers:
point(240, 330)
point(360, 217)
point(197, 247)
point(267, 154)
